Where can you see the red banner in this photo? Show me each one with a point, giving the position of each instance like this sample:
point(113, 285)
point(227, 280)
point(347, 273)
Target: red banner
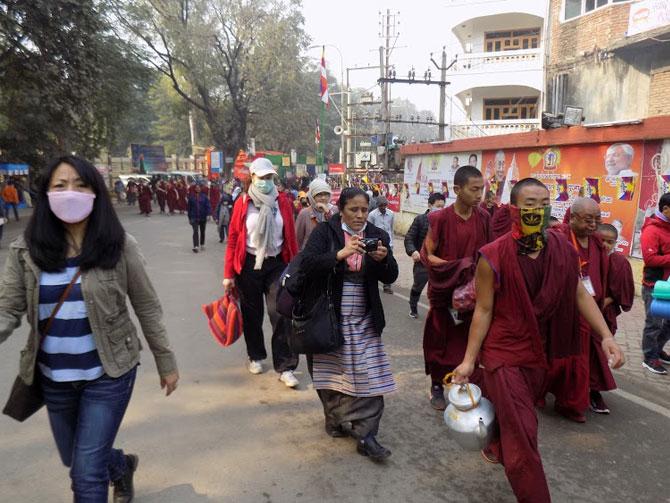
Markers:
point(336, 169)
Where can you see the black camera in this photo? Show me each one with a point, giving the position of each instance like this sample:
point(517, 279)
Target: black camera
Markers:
point(370, 244)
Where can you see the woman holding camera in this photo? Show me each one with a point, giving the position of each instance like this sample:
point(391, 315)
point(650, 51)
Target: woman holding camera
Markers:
point(352, 381)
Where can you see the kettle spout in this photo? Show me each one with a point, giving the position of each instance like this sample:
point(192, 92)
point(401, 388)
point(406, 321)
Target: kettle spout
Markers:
point(481, 430)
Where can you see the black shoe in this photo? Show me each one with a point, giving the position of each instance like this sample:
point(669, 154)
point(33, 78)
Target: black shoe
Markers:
point(598, 405)
point(371, 448)
point(195, 249)
point(388, 289)
point(664, 357)
point(124, 489)
point(655, 367)
point(437, 399)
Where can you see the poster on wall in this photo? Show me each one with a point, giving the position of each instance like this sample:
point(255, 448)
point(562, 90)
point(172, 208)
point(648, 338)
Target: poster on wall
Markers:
point(425, 174)
point(147, 158)
point(655, 182)
point(607, 173)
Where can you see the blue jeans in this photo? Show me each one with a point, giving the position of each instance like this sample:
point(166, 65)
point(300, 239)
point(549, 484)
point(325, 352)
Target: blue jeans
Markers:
point(85, 417)
point(656, 332)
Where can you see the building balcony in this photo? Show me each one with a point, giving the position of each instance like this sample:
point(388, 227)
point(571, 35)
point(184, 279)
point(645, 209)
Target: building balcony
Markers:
point(463, 12)
point(474, 129)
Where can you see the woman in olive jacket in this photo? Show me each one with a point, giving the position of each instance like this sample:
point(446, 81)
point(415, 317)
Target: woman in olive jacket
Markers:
point(86, 362)
point(351, 381)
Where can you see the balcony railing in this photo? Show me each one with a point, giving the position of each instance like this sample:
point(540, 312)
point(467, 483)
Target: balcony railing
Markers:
point(491, 128)
point(480, 62)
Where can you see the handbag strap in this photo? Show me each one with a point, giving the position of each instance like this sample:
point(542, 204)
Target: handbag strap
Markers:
point(57, 307)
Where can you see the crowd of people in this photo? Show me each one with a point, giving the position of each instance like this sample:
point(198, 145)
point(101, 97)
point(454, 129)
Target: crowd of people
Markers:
point(521, 304)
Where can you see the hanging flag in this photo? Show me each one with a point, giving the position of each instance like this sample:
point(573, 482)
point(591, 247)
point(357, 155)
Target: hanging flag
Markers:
point(592, 188)
point(325, 98)
point(317, 134)
point(562, 189)
point(626, 188)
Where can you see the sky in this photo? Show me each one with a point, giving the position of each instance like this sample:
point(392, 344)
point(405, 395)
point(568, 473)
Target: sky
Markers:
point(353, 26)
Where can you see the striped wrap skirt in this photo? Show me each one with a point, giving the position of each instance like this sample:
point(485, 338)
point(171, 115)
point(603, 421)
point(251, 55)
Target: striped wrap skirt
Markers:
point(360, 367)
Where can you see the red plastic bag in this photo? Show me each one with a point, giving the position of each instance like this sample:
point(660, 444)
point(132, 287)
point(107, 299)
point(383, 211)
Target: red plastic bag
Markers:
point(224, 319)
point(463, 298)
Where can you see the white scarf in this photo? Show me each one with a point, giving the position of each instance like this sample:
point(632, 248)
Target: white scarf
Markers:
point(264, 232)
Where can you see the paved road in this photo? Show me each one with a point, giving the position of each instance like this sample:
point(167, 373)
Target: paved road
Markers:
point(228, 436)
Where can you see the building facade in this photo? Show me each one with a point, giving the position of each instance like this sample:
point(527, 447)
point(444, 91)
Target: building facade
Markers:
point(609, 57)
point(498, 77)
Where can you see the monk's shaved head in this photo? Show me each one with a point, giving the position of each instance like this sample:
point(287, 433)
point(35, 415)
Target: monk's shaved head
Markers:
point(584, 205)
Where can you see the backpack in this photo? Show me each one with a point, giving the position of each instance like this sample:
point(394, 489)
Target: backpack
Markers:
point(291, 285)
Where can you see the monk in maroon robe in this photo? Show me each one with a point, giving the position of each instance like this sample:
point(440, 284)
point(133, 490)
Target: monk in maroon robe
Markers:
point(575, 392)
point(455, 235)
point(144, 198)
point(501, 222)
point(172, 197)
point(161, 195)
point(182, 199)
point(214, 196)
point(620, 281)
point(529, 299)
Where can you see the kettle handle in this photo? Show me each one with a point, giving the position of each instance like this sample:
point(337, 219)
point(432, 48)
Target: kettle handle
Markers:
point(447, 382)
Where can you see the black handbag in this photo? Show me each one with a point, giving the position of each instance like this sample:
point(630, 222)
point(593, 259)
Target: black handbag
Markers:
point(316, 329)
point(26, 399)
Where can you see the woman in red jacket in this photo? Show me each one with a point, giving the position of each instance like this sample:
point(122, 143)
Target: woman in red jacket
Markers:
point(261, 241)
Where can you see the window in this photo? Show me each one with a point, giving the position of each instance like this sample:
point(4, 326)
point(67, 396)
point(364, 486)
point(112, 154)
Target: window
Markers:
point(575, 8)
point(558, 93)
point(512, 40)
point(496, 109)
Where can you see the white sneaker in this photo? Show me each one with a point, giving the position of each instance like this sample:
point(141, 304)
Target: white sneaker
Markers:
point(255, 367)
point(289, 379)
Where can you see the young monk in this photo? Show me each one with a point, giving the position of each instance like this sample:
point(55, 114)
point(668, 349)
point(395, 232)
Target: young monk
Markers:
point(620, 282)
point(449, 253)
point(529, 299)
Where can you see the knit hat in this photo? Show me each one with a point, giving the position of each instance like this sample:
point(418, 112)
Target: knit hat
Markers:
point(319, 186)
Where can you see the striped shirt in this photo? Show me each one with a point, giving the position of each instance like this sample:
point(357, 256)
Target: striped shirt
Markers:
point(68, 351)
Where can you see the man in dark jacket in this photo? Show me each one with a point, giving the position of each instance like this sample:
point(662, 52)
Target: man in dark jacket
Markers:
point(199, 208)
point(413, 243)
point(655, 244)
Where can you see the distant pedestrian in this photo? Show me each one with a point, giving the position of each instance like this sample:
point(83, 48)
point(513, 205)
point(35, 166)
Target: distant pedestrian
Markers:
point(131, 193)
point(161, 195)
point(198, 213)
point(261, 243)
point(351, 381)
point(223, 213)
point(655, 245)
point(145, 195)
point(11, 197)
point(383, 218)
point(76, 256)
point(119, 190)
point(214, 195)
point(172, 197)
point(182, 196)
point(416, 234)
point(319, 210)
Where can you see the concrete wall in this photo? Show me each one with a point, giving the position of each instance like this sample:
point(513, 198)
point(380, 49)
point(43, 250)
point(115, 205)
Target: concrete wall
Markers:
point(659, 92)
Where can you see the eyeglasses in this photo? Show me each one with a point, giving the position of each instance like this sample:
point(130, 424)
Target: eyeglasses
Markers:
point(588, 220)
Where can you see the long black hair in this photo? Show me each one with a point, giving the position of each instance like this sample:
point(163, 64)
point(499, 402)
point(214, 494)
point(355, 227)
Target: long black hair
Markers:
point(45, 234)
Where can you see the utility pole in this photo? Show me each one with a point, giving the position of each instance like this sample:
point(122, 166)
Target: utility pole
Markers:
point(443, 95)
point(388, 32)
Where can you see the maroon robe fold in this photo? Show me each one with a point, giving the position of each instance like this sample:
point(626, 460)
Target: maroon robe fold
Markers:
point(526, 334)
point(458, 242)
point(620, 287)
point(144, 199)
point(501, 223)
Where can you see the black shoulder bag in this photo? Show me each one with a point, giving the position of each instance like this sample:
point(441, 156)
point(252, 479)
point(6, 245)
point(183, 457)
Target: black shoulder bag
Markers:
point(316, 329)
point(26, 399)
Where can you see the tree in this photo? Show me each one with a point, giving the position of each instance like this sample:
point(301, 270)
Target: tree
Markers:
point(65, 81)
point(226, 58)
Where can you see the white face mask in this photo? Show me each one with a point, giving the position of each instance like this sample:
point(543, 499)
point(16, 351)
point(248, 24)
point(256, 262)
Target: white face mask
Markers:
point(71, 206)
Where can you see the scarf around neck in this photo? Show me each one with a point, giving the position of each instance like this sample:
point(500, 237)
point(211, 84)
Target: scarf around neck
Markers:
point(355, 261)
point(528, 227)
point(265, 227)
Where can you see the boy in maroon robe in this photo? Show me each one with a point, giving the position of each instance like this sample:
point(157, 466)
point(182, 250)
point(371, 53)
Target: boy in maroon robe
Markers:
point(455, 235)
point(144, 198)
point(529, 299)
point(214, 195)
point(620, 281)
point(182, 196)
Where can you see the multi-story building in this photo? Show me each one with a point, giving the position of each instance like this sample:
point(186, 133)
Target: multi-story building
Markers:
point(609, 57)
point(498, 78)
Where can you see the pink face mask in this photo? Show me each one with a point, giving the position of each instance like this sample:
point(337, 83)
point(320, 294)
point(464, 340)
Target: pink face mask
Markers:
point(71, 206)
